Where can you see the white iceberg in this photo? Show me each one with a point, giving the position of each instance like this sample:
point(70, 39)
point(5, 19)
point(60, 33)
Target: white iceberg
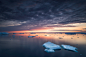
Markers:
point(49, 50)
point(4, 33)
point(50, 45)
point(68, 47)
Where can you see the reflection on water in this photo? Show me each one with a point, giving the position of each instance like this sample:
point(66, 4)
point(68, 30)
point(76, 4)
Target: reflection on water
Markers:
point(22, 46)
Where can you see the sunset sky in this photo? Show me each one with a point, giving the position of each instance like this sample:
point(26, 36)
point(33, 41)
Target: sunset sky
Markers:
point(43, 15)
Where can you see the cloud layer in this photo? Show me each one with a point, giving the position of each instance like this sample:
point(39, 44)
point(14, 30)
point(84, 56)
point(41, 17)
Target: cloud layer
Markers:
point(29, 14)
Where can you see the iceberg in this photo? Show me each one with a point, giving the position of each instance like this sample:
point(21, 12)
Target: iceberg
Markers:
point(4, 33)
point(68, 47)
point(49, 50)
point(50, 45)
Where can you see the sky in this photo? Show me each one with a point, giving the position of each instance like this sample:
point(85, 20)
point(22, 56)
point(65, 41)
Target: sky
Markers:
point(43, 15)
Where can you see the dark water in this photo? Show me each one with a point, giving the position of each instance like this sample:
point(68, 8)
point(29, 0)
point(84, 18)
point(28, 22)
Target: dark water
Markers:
point(22, 46)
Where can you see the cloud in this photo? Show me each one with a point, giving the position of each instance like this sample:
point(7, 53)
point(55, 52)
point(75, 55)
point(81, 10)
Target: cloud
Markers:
point(29, 14)
point(11, 23)
point(66, 30)
point(61, 26)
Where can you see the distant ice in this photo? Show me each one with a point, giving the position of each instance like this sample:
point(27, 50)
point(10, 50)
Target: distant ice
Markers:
point(70, 33)
point(50, 45)
point(21, 33)
point(13, 37)
point(68, 47)
point(0, 32)
point(14, 33)
point(31, 36)
point(36, 35)
point(49, 50)
point(83, 33)
point(32, 33)
point(4, 33)
point(60, 38)
point(71, 38)
point(10, 39)
point(45, 35)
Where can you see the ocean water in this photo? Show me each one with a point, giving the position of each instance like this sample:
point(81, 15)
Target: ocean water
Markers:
point(21, 45)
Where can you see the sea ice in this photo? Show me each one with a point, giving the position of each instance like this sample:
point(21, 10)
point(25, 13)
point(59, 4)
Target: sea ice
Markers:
point(68, 47)
point(50, 45)
point(49, 50)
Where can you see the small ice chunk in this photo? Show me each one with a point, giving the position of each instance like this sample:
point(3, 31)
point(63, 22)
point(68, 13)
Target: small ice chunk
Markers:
point(21, 33)
point(0, 32)
point(36, 35)
point(77, 37)
point(4, 33)
point(32, 33)
point(80, 54)
point(60, 38)
point(13, 35)
point(49, 50)
point(71, 38)
point(50, 45)
point(45, 35)
point(31, 36)
point(68, 47)
point(10, 39)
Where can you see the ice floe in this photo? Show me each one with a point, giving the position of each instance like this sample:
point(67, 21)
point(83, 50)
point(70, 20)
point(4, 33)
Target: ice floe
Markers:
point(50, 45)
point(49, 50)
point(68, 47)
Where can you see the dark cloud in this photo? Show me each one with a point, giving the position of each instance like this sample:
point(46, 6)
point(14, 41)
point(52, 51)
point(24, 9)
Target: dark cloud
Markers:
point(61, 26)
point(38, 13)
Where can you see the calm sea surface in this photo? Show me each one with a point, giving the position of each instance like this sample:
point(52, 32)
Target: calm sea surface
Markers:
point(22, 46)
